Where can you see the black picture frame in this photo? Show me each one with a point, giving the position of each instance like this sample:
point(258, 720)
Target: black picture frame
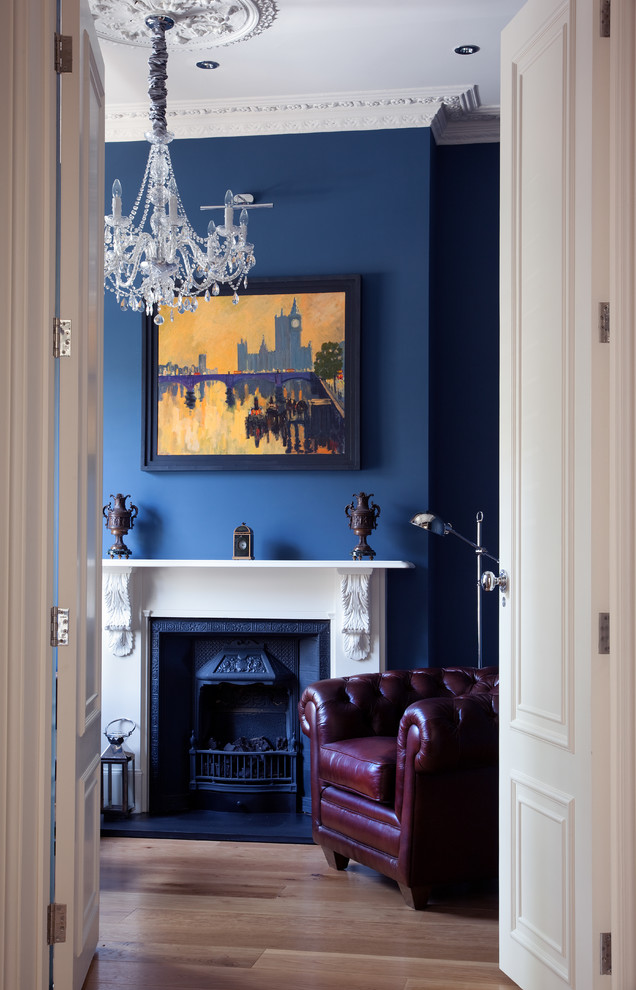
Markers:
point(276, 420)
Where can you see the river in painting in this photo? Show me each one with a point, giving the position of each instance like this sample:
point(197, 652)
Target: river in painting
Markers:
point(250, 416)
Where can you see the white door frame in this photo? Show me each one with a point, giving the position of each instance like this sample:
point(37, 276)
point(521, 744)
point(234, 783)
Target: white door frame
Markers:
point(27, 280)
point(623, 490)
point(80, 522)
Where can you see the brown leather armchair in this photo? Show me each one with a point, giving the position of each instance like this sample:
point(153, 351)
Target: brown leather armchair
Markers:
point(404, 774)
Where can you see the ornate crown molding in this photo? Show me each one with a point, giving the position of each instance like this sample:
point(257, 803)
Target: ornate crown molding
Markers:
point(455, 116)
point(479, 125)
point(211, 23)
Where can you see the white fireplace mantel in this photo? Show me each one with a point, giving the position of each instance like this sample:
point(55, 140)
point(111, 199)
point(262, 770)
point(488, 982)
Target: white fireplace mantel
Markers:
point(207, 577)
point(350, 594)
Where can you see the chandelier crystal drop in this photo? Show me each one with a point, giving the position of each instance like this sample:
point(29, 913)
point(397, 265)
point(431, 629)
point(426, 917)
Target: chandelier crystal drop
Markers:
point(153, 257)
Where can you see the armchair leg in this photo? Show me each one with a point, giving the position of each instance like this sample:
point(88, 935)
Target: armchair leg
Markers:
point(415, 897)
point(336, 860)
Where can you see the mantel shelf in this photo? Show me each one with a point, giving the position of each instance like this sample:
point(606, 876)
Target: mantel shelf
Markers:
point(108, 564)
point(352, 577)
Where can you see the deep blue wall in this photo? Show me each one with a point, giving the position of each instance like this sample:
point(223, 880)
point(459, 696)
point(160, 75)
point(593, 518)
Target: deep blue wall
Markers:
point(347, 202)
point(464, 394)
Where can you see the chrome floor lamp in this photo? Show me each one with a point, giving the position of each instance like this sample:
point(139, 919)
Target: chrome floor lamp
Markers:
point(486, 580)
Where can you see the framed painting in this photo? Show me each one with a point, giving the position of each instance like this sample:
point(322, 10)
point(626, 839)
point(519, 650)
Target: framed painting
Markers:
point(268, 383)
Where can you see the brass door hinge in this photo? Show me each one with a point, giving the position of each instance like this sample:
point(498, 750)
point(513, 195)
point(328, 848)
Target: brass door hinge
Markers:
point(604, 322)
point(61, 337)
point(606, 953)
point(59, 626)
point(63, 53)
point(55, 924)
point(603, 632)
point(606, 12)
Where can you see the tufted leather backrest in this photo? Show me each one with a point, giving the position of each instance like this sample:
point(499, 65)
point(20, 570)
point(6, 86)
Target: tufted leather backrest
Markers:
point(373, 704)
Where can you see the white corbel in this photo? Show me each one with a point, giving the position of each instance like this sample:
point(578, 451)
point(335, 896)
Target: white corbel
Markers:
point(356, 629)
point(117, 612)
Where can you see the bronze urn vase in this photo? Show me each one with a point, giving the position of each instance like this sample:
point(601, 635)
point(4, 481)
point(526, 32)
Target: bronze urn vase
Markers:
point(362, 517)
point(119, 520)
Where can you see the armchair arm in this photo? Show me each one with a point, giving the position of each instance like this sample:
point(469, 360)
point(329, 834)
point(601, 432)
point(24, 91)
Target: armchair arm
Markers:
point(454, 733)
point(328, 714)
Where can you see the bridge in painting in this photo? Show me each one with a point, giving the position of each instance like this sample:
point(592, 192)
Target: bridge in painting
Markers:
point(232, 378)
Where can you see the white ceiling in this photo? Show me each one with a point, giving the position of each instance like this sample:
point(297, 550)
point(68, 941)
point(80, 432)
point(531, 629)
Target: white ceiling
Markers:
point(322, 61)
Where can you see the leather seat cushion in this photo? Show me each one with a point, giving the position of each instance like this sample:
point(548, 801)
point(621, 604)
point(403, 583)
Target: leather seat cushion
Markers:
point(365, 765)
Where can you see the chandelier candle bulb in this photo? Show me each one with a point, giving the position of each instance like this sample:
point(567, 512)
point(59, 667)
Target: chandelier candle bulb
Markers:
point(116, 200)
point(229, 212)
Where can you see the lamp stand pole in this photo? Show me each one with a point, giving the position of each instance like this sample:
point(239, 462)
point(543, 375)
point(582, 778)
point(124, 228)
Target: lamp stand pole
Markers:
point(478, 553)
point(486, 581)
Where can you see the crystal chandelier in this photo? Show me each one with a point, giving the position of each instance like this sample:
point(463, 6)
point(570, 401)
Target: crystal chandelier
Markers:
point(153, 257)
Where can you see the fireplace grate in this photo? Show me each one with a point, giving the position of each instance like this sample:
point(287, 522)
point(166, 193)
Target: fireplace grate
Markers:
point(218, 770)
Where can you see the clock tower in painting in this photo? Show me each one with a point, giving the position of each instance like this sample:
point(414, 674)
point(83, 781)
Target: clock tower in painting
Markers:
point(288, 328)
point(288, 352)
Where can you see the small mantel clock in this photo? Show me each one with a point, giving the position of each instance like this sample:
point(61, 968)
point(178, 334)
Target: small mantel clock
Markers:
point(242, 543)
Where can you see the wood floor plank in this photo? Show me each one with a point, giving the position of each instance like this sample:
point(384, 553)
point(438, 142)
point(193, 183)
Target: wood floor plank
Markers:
point(196, 915)
point(351, 966)
point(255, 930)
point(156, 954)
point(245, 980)
point(495, 981)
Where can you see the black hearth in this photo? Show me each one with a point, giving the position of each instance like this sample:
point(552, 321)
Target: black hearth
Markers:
point(223, 714)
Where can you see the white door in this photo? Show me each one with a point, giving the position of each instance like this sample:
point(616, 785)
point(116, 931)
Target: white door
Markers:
point(554, 788)
point(80, 496)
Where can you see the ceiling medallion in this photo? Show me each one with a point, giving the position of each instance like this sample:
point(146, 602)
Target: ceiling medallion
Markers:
point(196, 25)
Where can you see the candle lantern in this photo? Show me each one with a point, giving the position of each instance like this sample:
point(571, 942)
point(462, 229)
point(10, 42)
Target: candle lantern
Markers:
point(118, 770)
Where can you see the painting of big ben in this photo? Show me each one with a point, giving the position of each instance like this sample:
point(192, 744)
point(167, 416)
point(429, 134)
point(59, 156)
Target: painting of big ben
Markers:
point(266, 382)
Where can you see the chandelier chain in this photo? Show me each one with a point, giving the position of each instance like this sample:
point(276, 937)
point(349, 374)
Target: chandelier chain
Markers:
point(158, 74)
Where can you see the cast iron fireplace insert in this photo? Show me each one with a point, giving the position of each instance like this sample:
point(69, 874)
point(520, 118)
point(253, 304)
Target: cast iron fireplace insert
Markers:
point(223, 725)
point(243, 749)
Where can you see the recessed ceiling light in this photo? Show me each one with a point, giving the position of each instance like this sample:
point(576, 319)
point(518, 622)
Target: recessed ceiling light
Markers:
point(466, 49)
point(207, 63)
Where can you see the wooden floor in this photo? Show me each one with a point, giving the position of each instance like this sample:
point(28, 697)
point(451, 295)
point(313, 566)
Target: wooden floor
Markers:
point(191, 915)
